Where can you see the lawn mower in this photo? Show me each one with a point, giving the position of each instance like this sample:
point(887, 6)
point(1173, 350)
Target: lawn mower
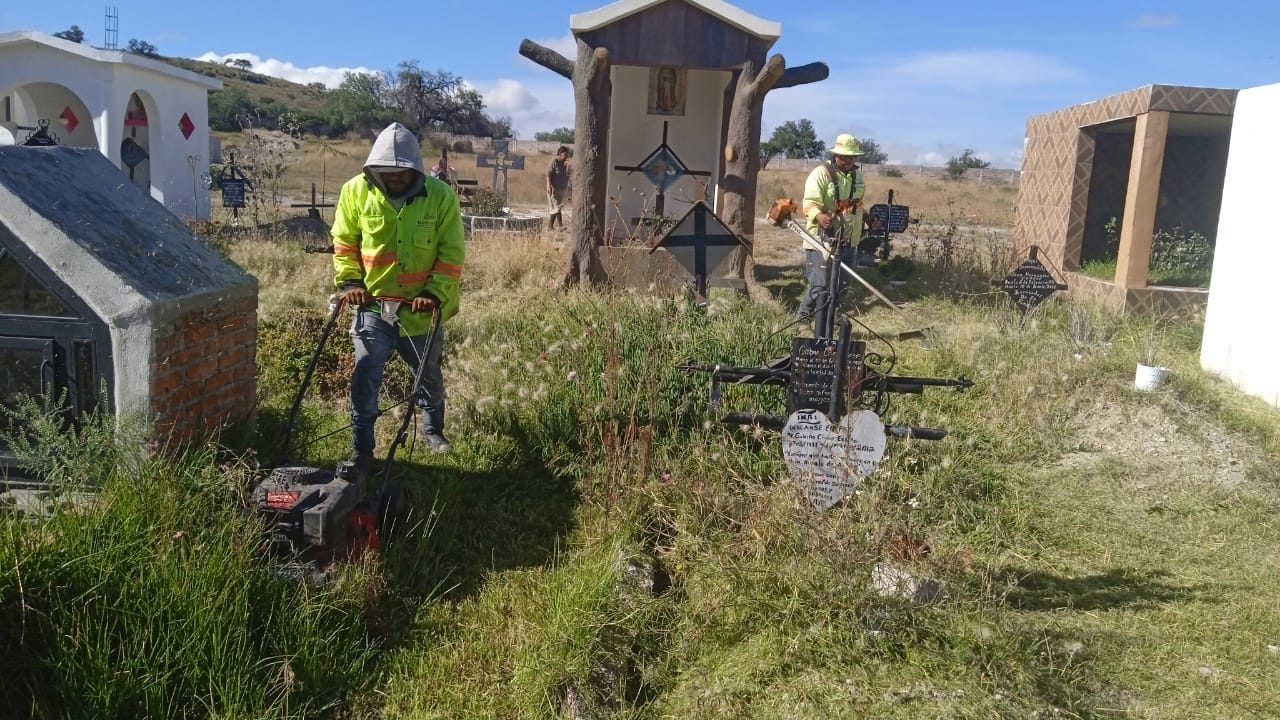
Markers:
point(315, 516)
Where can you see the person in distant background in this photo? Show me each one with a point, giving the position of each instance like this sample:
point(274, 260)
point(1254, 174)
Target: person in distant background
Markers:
point(557, 187)
point(397, 255)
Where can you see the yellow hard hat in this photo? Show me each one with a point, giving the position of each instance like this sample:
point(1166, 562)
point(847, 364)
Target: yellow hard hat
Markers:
point(846, 144)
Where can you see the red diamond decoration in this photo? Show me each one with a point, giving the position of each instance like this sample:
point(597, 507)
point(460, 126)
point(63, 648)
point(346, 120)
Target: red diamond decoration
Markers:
point(186, 126)
point(69, 119)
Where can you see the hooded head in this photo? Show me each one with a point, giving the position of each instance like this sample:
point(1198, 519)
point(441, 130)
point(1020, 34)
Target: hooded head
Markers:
point(394, 165)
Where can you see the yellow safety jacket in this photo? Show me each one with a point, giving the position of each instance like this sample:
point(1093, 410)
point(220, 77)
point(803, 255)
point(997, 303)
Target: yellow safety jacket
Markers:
point(820, 195)
point(417, 251)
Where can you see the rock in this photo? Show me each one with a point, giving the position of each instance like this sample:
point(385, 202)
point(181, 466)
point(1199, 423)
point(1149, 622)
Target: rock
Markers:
point(890, 582)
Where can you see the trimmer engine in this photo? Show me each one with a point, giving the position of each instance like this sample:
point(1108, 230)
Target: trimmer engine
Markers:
point(308, 507)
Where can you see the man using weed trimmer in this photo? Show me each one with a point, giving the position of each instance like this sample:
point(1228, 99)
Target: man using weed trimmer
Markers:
point(397, 254)
point(833, 207)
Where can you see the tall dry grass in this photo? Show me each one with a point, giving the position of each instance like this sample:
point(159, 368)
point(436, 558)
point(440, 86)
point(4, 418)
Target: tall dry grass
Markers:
point(329, 163)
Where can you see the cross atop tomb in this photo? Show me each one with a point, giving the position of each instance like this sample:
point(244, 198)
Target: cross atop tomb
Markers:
point(501, 161)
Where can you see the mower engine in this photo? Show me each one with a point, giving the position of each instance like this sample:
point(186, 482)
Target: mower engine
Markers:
point(308, 508)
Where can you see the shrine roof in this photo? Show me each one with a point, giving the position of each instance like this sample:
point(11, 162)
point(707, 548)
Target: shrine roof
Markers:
point(737, 17)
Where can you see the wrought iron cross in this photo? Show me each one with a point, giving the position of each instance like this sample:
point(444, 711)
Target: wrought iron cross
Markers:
point(663, 167)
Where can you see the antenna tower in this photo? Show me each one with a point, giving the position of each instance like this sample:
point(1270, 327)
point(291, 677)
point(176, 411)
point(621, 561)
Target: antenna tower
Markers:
point(112, 40)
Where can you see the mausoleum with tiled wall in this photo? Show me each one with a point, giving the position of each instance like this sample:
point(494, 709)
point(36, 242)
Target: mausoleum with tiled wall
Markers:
point(1152, 158)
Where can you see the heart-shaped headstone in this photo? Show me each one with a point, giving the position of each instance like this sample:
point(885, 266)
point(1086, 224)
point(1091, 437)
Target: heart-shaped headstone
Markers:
point(828, 461)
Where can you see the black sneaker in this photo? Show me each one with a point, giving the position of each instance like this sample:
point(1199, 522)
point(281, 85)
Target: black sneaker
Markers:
point(436, 441)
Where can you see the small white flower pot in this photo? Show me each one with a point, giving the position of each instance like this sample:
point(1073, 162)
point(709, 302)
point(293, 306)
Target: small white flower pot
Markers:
point(1150, 377)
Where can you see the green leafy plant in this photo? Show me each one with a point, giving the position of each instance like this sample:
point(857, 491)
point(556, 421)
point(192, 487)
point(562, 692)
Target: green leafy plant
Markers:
point(488, 203)
point(956, 166)
point(1181, 256)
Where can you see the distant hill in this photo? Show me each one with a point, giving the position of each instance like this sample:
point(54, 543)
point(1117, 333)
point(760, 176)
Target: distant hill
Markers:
point(262, 89)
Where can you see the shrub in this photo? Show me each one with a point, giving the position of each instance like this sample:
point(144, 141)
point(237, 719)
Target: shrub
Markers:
point(891, 171)
point(488, 202)
point(463, 146)
point(1181, 254)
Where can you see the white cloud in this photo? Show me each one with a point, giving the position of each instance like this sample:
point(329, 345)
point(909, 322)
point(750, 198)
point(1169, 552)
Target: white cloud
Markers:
point(981, 70)
point(566, 45)
point(1155, 21)
point(532, 107)
point(330, 77)
point(507, 97)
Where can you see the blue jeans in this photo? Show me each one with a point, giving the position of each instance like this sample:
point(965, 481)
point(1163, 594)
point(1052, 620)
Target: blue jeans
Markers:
point(815, 271)
point(375, 339)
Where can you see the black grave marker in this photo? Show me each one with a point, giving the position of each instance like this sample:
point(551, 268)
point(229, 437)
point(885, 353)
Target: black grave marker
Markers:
point(40, 135)
point(1030, 283)
point(232, 192)
point(892, 218)
point(813, 372)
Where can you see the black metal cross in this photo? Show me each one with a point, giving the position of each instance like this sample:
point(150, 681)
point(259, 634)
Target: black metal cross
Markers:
point(659, 206)
point(313, 208)
point(699, 229)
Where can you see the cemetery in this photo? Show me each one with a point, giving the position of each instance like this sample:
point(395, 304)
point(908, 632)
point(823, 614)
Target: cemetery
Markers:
point(1007, 468)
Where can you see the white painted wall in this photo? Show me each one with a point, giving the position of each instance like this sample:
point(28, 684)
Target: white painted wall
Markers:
point(40, 72)
point(1240, 338)
point(695, 138)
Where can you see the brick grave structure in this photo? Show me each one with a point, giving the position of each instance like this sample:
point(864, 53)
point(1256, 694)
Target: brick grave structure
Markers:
point(1152, 158)
point(102, 288)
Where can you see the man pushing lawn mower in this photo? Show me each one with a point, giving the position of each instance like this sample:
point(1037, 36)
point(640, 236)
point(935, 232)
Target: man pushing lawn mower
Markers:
point(397, 255)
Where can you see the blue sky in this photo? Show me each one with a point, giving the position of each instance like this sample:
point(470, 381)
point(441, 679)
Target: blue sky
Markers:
point(926, 79)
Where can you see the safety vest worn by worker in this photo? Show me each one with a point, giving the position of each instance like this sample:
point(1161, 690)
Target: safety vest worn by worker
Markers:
point(822, 194)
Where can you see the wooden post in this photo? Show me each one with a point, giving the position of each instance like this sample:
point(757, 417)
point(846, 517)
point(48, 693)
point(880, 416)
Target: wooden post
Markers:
point(1139, 221)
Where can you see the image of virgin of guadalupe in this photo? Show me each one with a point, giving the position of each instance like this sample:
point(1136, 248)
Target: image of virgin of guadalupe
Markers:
point(666, 90)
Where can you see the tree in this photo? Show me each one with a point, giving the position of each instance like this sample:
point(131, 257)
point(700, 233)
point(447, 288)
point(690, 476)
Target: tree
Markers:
point(957, 166)
point(794, 139)
point(73, 33)
point(242, 64)
point(501, 127)
point(562, 135)
point(358, 103)
point(142, 47)
point(871, 152)
point(227, 107)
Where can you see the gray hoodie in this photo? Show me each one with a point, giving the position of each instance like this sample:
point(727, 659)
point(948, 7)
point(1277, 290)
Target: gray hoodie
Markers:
point(395, 149)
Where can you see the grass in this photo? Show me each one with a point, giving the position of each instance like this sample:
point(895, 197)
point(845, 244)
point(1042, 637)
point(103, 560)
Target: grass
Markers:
point(1106, 270)
point(596, 541)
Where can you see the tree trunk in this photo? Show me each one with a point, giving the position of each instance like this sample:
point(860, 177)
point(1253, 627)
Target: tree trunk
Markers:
point(803, 75)
point(547, 58)
point(592, 87)
point(742, 157)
